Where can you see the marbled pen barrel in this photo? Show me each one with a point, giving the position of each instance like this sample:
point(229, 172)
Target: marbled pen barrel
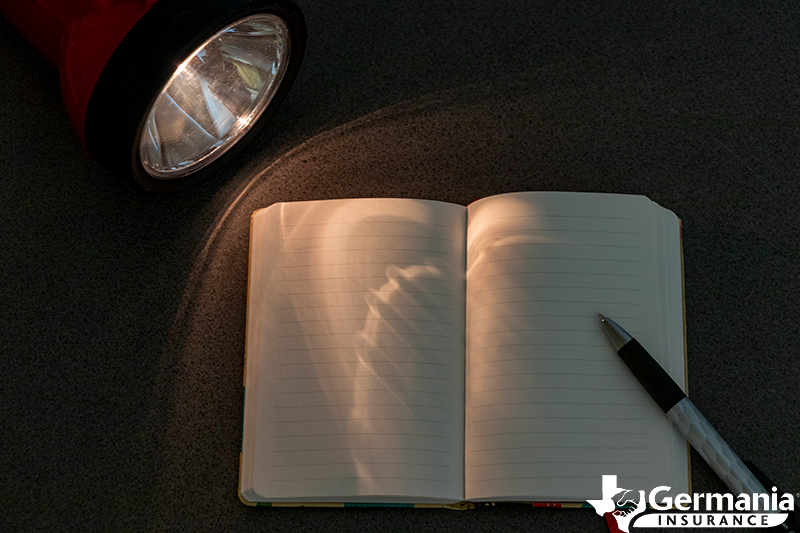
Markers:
point(708, 443)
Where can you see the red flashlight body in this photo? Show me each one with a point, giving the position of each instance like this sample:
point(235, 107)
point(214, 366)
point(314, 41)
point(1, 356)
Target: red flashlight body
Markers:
point(78, 37)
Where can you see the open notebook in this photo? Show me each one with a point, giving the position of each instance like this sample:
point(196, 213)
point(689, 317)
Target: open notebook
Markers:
point(423, 352)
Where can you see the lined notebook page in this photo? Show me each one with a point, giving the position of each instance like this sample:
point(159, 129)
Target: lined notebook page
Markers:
point(357, 306)
point(550, 406)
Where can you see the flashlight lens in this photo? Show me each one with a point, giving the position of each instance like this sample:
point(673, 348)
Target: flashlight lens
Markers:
point(214, 97)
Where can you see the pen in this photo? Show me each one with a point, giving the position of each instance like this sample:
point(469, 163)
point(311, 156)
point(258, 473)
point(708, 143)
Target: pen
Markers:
point(683, 413)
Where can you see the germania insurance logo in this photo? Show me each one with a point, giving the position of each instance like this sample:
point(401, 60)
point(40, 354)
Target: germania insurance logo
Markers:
point(622, 507)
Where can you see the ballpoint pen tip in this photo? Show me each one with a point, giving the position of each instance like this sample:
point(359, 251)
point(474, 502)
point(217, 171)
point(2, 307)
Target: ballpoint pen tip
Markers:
point(601, 317)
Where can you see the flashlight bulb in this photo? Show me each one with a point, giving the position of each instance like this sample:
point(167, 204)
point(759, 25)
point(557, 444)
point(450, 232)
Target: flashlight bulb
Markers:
point(214, 97)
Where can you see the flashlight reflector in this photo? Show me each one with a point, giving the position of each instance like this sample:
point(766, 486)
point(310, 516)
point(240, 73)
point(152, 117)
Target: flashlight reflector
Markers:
point(214, 96)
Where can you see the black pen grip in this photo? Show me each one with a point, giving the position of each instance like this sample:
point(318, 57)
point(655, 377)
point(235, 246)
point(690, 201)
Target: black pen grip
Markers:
point(653, 378)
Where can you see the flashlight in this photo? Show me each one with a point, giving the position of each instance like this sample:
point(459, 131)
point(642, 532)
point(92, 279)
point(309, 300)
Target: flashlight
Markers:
point(165, 92)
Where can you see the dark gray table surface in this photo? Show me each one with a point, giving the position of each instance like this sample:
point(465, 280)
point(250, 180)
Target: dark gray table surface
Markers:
point(122, 314)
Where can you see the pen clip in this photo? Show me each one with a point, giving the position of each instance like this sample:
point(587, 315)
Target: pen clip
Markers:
point(791, 524)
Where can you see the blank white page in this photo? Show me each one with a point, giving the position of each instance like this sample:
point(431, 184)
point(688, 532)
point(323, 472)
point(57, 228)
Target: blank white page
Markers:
point(550, 406)
point(356, 317)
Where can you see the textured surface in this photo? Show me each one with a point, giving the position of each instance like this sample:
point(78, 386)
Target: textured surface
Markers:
point(122, 315)
point(714, 450)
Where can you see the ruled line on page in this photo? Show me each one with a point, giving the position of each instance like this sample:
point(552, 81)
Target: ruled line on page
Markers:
point(569, 287)
point(550, 258)
point(381, 359)
point(595, 302)
point(554, 344)
point(612, 389)
point(560, 447)
point(281, 393)
point(360, 434)
point(370, 291)
point(361, 347)
point(368, 361)
point(530, 216)
point(516, 330)
point(634, 402)
point(370, 306)
point(362, 404)
point(508, 245)
point(559, 477)
point(418, 397)
point(540, 231)
point(362, 376)
point(362, 419)
point(550, 272)
point(350, 463)
point(294, 449)
point(361, 278)
point(401, 265)
point(351, 333)
point(361, 372)
point(377, 358)
point(409, 223)
point(361, 478)
point(526, 344)
point(543, 373)
point(365, 249)
point(533, 359)
point(553, 433)
point(366, 236)
point(546, 417)
point(537, 403)
point(570, 216)
point(511, 463)
point(592, 478)
point(361, 320)
point(374, 342)
point(546, 315)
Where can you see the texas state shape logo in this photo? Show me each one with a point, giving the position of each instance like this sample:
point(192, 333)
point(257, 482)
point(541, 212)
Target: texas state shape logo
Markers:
point(619, 506)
